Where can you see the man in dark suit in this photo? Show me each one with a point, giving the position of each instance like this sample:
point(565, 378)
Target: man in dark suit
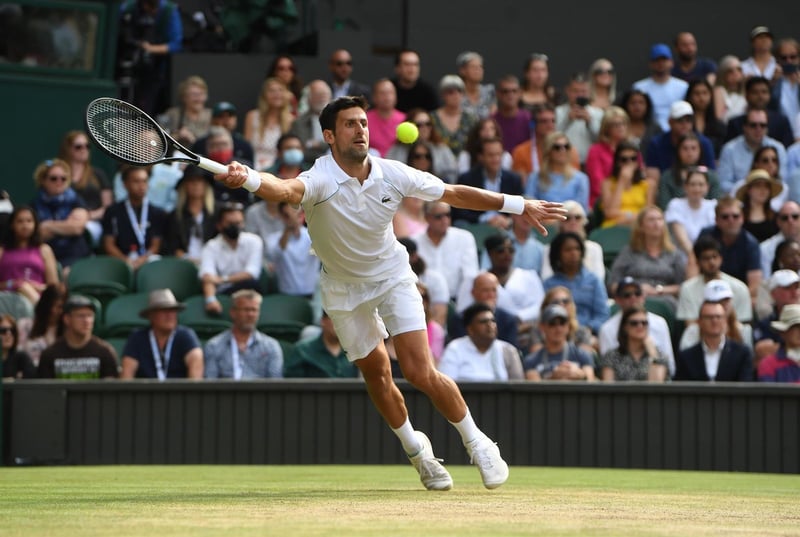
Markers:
point(715, 357)
point(340, 66)
point(489, 175)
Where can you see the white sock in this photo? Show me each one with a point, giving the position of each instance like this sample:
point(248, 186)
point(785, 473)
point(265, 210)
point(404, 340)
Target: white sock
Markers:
point(408, 438)
point(467, 429)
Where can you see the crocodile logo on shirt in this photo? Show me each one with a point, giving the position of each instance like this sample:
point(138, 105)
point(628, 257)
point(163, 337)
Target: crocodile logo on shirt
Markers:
point(385, 199)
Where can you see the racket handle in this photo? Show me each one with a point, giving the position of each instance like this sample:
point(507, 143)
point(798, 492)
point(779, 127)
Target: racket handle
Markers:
point(212, 166)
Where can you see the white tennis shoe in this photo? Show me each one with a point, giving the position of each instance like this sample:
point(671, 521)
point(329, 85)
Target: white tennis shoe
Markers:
point(431, 472)
point(485, 454)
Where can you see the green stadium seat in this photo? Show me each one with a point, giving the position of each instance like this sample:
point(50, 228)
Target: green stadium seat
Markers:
point(119, 345)
point(481, 232)
point(174, 273)
point(122, 315)
point(612, 239)
point(103, 277)
point(285, 316)
point(15, 305)
point(205, 325)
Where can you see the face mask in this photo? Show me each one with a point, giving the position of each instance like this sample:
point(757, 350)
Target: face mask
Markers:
point(789, 68)
point(223, 155)
point(292, 157)
point(232, 231)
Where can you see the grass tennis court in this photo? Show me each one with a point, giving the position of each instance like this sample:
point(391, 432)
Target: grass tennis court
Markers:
point(167, 501)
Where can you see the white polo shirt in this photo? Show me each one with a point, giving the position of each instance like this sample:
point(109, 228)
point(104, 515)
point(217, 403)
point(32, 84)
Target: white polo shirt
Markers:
point(219, 259)
point(351, 223)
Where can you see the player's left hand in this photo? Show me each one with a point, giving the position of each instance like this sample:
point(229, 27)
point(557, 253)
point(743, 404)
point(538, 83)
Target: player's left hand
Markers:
point(540, 212)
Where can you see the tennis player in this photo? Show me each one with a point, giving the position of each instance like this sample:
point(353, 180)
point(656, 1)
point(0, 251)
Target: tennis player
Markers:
point(367, 286)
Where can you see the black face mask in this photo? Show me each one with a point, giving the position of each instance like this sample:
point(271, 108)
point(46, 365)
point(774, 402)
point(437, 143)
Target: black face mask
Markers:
point(232, 231)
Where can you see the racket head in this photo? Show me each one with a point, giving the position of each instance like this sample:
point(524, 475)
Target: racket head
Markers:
point(125, 132)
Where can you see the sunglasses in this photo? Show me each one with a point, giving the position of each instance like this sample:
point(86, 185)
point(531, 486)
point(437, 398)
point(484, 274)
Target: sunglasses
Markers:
point(730, 216)
point(768, 160)
point(486, 320)
point(787, 57)
point(638, 322)
point(630, 294)
point(80, 146)
point(754, 125)
point(557, 322)
point(574, 217)
point(560, 301)
point(786, 217)
point(604, 72)
point(712, 317)
point(561, 147)
point(5, 330)
point(628, 159)
point(421, 155)
point(505, 249)
point(423, 124)
point(59, 178)
point(343, 62)
point(439, 216)
point(508, 90)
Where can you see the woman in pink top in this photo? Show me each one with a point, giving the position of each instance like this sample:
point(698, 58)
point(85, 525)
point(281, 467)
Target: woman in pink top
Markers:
point(410, 220)
point(27, 265)
point(600, 159)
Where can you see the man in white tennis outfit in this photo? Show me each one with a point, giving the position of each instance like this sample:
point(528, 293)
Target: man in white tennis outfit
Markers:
point(368, 287)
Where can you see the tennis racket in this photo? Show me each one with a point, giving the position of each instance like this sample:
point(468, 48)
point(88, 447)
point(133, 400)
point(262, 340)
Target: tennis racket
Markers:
point(127, 134)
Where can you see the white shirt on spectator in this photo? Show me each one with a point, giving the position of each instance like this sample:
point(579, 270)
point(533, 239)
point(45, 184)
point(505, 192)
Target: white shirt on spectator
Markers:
point(693, 220)
point(663, 94)
point(455, 257)
point(220, 259)
point(462, 361)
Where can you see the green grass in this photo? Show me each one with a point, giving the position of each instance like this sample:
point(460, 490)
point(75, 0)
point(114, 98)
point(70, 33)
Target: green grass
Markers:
point(166, 501)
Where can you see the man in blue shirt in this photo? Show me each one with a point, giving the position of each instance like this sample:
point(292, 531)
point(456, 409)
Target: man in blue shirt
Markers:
point(661, 150)
point(689, 66)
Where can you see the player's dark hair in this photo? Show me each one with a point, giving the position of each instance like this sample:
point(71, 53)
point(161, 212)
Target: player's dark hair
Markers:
point(327, 119)
point(472, 311)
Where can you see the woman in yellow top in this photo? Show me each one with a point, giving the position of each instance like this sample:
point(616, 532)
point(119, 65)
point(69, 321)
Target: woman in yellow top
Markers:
point(627, 191)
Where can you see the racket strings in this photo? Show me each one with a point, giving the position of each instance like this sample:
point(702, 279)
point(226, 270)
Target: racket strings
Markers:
point(125, 132)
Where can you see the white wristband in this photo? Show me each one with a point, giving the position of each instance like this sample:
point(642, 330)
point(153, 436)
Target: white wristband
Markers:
point(253, 181)
point(513, 204)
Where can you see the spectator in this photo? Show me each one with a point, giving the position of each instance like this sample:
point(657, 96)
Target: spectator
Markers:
point(61, 212)
point(90, 183)
point(719, 291)
point(766, 158)
point(602, 84)
point(782, 366)
point(264, 125)
point(687, 216)
point(600, 158)
point(536, 87)
point(627, 190)
point(489, 175)
point(27, 266)
point(701, 96)
point(160, 187)
point(484, 291)
point(661, 149)
point(557, 180)
point(321, 357)
point(219, 148)
point(527, 156)
point(736, 158)
point(191, 224)
point(643, 126)
point(444, 162)
point(296, 267)
point(558, 359)
point(449, 250)
point(784, 289)
point(242, 352)
point(578, 334)
point(433, 280)
point(340, 66)
point(479, 99)
point(307, 127)
point(451, 121)
point(412, 91)
point(165, 349)
point(575, 222)
point(576, 118)
point(757, 93)
point(761, 63)
point(134, 229)
point(629, 295)
point(191, 119)
point(16, 363)
point(687, 156)
point(284, 69)
point(690, 66)
point(530, 253)
point(716, 357)
point(231, 260)
point(652, 259)
point(77, 354)
point(409, 219)
point(480, 356)
point(661, 86)
point(383, 118)
point(636, 356)
point(787, 256)
point(755, 194)
point(588, 291)
point(47, 325)
point(484, 129)
point(785, 94)
point(514, 122)
point(435, 330)
point(741, 256)
point(729, 89)
point(789, 228)
point(224, 114)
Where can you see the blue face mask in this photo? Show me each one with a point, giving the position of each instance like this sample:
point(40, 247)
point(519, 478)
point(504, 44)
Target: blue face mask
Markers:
point(292, 157)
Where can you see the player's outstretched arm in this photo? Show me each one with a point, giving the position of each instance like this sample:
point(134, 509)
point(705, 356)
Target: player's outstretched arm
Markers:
point(537, 212)
point(264, 185)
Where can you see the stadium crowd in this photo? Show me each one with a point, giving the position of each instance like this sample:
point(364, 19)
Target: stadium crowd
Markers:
point(678, 259)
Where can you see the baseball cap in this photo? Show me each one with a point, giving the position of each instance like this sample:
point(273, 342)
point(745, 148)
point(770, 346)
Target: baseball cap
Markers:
point(222, 107)
point(759, 30)
point(790, 316)
point(660, 50)
point(783, 278)
point(717, 290)
point(554, 311)
point(78, 301)
point(626, 282)
point(680, 109)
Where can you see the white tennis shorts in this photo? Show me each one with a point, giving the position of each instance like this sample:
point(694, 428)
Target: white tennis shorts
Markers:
point(363, 312)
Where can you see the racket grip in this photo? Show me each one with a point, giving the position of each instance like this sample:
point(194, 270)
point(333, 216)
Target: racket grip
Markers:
point(212, 166)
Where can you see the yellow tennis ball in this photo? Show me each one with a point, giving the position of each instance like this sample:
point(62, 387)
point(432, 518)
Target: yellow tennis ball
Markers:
point(407, 132)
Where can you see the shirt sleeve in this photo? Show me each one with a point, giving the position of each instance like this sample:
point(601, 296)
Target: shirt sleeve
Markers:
point(207, 257)
point(255, 251)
